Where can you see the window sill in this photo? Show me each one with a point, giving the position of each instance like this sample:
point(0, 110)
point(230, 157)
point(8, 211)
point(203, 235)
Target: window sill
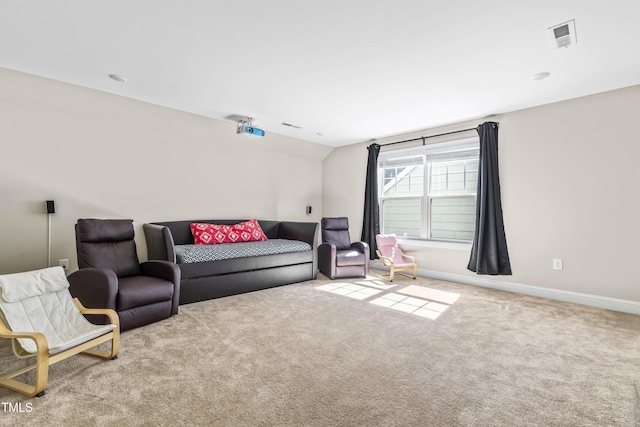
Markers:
point(422, 243)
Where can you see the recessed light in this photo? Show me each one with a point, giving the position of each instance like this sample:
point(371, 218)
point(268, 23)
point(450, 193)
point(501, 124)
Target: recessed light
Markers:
point(118, 78)
point(541, 76)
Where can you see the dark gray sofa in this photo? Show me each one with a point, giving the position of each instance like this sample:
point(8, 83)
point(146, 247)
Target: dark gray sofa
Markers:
point(224, 277)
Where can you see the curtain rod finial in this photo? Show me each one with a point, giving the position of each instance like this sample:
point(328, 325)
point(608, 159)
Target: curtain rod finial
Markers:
point(373, 142)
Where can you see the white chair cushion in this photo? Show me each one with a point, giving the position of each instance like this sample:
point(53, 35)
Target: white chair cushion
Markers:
point(39, 301)
point(18, 286)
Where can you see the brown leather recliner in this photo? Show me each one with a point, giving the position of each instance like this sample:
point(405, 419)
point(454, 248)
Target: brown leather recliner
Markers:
point(111, 276)
point(338, 257)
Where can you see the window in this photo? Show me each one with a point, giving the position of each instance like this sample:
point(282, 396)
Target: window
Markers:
point(429, 192)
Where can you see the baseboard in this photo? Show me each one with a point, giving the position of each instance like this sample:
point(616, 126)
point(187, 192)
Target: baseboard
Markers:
point(625, 306)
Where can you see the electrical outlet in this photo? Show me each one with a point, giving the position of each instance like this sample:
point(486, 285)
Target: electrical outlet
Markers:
point(557, 264)
point(64, 263)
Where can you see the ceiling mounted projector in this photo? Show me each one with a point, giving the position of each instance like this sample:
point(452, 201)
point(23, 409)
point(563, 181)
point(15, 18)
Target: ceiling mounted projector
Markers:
point(245, 126)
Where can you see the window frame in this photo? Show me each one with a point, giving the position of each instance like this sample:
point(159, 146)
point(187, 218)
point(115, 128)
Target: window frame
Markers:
point(426, 151)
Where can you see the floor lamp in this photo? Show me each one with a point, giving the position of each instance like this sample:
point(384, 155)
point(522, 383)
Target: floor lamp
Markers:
point(51, 209)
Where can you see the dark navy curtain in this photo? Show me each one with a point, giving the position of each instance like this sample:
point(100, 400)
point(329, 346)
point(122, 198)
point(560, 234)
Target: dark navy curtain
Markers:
point(489, 251)
point(371, 218)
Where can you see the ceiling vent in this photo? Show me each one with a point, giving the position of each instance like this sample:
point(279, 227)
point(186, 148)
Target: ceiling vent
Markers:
point(563, 35)
point(290, 125)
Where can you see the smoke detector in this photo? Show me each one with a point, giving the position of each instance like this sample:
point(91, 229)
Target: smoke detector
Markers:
point(563, 35)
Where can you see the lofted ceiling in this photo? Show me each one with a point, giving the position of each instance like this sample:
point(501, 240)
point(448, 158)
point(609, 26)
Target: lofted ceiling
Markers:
point(340, 71)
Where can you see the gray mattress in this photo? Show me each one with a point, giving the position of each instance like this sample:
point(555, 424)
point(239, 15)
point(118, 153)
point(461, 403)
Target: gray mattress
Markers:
point(186, 254)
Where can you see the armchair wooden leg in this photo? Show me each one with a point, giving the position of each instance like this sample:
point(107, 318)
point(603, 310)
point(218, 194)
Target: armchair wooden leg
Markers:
point(42, 376)
point(41, 365)
point(115, 337)
point(44, 360)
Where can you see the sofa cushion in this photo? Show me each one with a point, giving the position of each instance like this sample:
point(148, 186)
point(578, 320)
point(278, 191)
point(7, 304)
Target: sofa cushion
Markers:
point(186, 254)
point(208, 234)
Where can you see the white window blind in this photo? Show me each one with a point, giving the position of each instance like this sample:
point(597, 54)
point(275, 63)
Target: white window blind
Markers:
point(429, 191)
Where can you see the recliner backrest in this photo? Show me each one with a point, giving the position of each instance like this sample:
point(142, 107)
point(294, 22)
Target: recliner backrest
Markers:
point(107, 243)
point(336, 231)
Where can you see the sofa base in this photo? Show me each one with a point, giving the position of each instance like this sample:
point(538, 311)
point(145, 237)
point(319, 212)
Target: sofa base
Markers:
point(208, 287)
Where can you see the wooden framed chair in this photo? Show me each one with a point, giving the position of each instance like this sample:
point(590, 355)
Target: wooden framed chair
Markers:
point(392, 257)
point(38, 314)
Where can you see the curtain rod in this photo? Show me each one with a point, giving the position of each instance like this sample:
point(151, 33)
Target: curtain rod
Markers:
point(422, 138)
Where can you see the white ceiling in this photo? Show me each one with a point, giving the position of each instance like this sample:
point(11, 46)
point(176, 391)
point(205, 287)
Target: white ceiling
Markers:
point(352, 70)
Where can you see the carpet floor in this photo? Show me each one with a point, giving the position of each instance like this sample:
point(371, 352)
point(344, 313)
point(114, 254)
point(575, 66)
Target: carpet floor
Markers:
point(354, 353)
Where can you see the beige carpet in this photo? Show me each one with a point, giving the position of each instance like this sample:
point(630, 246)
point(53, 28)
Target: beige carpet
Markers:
point(355, 353)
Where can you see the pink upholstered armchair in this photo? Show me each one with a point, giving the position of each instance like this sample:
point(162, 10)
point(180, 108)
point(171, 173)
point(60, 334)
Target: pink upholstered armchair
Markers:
point(392, 257)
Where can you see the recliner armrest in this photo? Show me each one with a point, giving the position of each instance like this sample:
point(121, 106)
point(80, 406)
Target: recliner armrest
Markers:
point(326, 259)
point(328, 248)
point(362, 247)
point(94, 287)
point(166, 270)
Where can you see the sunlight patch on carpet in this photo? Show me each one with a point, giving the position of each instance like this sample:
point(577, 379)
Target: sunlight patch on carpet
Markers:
point(350, 290)
point(417, 306)
point(413, 299)
point(431, 294)
point(377, 283)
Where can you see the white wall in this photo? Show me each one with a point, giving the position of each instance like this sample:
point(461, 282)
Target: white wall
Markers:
point(570, 187)
point(568, 171)
point(104, 156)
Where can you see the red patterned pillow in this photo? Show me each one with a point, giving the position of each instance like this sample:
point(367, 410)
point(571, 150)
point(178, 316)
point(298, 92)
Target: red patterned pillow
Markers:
point(210, 234)
point(249, 231)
